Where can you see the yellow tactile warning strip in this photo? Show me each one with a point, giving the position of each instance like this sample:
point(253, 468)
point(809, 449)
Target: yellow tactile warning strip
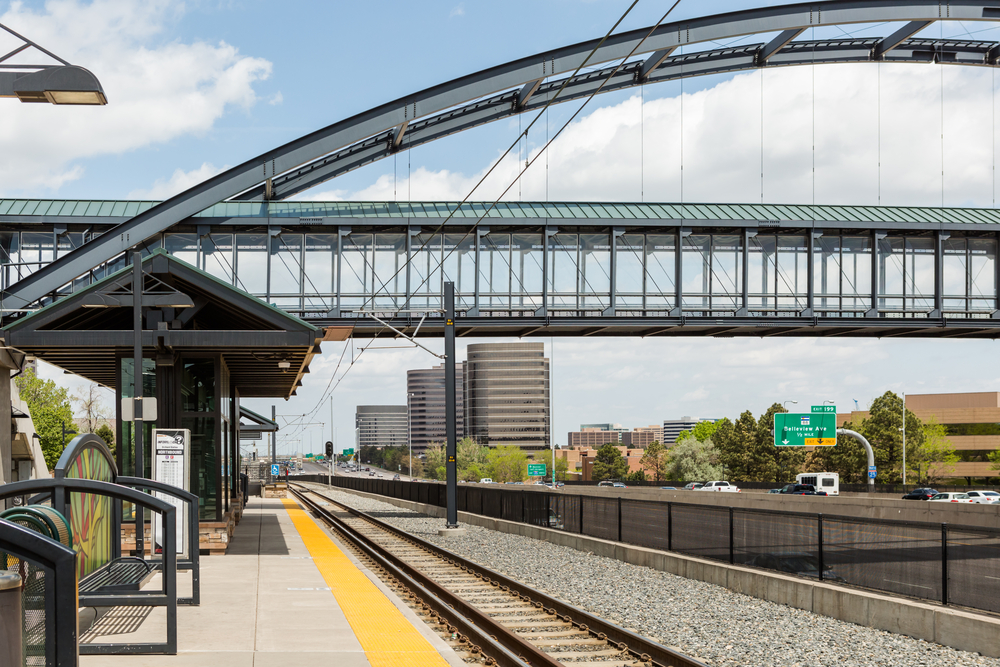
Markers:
point(388, 639)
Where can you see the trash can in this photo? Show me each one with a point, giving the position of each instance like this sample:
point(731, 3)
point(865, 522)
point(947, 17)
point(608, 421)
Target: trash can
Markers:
point(11, 620)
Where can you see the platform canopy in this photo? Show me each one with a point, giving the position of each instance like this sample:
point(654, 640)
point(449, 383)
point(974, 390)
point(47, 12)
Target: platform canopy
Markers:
point(266, 351)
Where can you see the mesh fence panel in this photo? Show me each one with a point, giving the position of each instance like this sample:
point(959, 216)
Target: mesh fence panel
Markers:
point(492, 505)
point(567, 511)
point(897, 557)
point(645, 523)
point(776, 541)
point(701, 530)
point(513, 507)
point(33, 629)
point(600, 517)
point(973, 578)
point(537, 510)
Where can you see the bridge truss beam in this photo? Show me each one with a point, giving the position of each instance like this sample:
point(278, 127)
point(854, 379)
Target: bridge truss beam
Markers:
point(379, 125)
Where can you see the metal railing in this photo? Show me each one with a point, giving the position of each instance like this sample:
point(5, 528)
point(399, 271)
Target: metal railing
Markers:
point(946, 563)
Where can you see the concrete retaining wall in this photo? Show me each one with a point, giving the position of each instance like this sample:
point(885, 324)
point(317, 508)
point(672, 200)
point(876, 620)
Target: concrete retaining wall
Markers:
point(964, 630)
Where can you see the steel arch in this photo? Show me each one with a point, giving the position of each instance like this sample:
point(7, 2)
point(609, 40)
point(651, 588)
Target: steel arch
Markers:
point(516, 82)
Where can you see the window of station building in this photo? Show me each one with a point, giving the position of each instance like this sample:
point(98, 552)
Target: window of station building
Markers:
point(204, 469)
point(972, 429)
point(198, 386)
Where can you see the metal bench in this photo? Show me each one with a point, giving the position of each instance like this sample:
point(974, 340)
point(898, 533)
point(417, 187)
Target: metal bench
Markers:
point(124, 575)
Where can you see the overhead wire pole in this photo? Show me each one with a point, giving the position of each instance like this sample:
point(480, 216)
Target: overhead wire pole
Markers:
point(137, 428)
point(451, 465)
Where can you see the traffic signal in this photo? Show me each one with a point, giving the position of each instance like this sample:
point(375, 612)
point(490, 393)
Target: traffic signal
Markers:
point(329, 449)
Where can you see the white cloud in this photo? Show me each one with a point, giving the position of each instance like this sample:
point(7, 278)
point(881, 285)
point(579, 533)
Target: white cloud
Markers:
point(276, 99)
point(178, 182)
point(621, 153)
point(157, 90)
point(459, 10)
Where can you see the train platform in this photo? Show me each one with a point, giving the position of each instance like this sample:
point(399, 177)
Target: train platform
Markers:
point(286, 593)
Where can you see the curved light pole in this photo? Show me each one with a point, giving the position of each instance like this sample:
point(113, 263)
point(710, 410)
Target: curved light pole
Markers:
point(871, 454)
point(783, 405)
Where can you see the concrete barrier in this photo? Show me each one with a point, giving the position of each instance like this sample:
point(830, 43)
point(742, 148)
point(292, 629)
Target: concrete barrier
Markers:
point(963, 630)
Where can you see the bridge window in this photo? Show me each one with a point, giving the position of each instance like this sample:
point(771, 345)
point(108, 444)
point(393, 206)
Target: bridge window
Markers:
point(494, 271)
point(356, 271)
point(286, 264)
point(727, 272)
point(425, 270)
point(526, 271)
point(217, 256)
point(629, 271)
point(251, 263)
point(660, 256)
point(697, 270)
point(460, 267)
point(320, 269)
point(856, 273)
point(969, 275)
point(390, 274)
point(182, 246)
point(564, 255)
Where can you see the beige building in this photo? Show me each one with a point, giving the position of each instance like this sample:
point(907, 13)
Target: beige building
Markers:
point(592, 437)
point(971, 420)
point(580, 460)
point(643, 436)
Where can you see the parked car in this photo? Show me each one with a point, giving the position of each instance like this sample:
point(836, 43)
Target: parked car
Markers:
point(951, 498)
point(795, 562)
point(719, 486)
point(984, 497)
point(801, 490)
point(920, 494)
point(693, 486)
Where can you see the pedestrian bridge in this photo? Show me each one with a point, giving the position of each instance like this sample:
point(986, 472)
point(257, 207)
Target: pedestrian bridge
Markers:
point(541, 268)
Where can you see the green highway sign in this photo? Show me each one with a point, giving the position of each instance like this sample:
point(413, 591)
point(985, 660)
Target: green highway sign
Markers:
point(536, 470)
point(348, 452)
point(816, 429)
point(823, 408)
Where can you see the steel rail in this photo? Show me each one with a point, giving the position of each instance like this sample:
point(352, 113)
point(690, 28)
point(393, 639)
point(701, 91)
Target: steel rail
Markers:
point(395, 115)
point(642, 647)
point(505, 647)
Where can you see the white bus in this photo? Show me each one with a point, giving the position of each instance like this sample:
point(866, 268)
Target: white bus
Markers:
point(823, 481)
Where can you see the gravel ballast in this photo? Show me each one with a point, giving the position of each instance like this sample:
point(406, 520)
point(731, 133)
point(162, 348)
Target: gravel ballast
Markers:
point(709, 622)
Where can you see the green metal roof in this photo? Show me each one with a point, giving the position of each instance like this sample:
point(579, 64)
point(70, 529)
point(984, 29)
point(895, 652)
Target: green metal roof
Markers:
point(552, 210)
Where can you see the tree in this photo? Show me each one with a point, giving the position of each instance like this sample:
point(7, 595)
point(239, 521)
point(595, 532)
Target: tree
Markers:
point(933, 458)
point(105, 433)
point(692, 459)
point(434, 466)
point(50, 409)
point(636, 476)
point(609, 464)
point(468, 452)
point(545, 456)
point(90, 404)
point(654, 461)
point(848, 458)
point(882, 429)
point(508, 464)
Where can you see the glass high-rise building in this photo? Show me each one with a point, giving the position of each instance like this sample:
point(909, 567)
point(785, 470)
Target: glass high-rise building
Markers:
point(507, 394)
point(425, 392)
point(381, 425)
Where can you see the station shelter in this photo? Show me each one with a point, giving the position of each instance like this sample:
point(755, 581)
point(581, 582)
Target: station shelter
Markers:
point(206, 346)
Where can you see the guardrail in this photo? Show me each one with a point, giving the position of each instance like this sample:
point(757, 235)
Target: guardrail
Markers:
point(950, 564)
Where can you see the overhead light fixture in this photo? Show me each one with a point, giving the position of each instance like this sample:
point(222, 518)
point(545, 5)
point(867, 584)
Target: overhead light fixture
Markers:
point(66, 84)
point(53, 84)
point(284, 365)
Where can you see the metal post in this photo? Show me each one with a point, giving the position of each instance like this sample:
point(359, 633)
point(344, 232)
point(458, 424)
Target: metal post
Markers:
point(732, 539)
point(819, 543)
point(670, 527)
point(580, 500)
point(409, 431)
point(619, 518)
point(140, 468)
point(333, 438)
point(274, 443)
point(449, 399)
point(944, 563)
point(904, 442)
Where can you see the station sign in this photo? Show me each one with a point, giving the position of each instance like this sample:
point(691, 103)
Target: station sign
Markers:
point(275, 470)
point(536, 470)
point(815, 429)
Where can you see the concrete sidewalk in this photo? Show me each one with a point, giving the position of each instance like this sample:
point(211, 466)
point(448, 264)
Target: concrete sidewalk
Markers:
point(263, 604)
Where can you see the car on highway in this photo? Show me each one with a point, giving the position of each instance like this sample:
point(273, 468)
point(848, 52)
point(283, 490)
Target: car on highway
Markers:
point(486, 480)
point(720, 486)
point(619, 485)
point(920, 494)
point(774, 490)
point(606, 482)
point(951, 497)
point(371, 474)
point(693, 486)
point(668, 488)
point(984, 497)
point(794, 562)
point(394, 476)
point(800, 490)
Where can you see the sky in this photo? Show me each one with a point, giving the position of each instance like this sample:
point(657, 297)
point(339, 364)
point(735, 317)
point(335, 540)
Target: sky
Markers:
point(199, 86)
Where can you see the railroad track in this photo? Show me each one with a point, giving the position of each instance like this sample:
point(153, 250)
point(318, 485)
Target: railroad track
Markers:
point(491, 616)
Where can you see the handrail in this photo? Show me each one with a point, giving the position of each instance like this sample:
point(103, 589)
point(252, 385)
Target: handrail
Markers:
point(59, 562)
point(193, 560)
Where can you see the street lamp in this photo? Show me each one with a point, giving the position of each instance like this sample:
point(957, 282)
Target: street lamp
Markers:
point(785, 404)
point(829, 402)
point(54, 84)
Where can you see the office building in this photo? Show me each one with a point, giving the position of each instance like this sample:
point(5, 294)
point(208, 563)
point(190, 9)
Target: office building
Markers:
point(381, 425)
point(642, 436)
point(972, 425)
point(603, 427)
point(507, 394)
point(673, 427)
point(425, 400)
point(592, 437)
